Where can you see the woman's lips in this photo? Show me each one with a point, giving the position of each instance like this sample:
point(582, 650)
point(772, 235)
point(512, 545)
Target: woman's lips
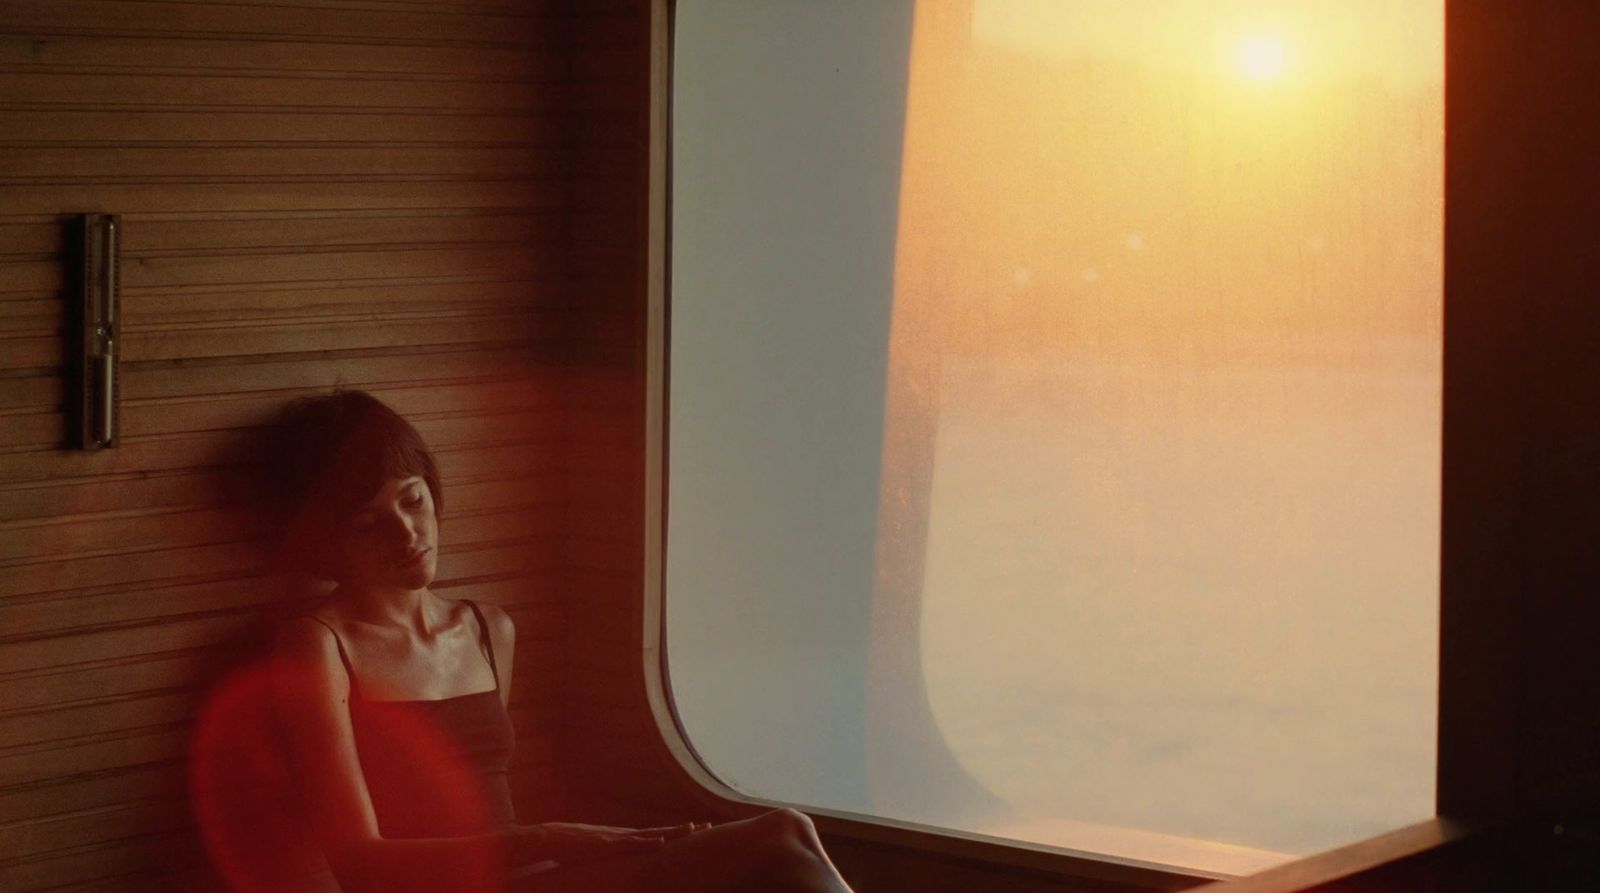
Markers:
point(414, 559)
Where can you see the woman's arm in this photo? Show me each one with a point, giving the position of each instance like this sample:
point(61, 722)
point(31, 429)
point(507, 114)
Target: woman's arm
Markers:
point(312, 701)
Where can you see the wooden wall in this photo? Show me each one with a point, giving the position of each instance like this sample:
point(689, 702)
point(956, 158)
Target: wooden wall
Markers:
point(367, 193)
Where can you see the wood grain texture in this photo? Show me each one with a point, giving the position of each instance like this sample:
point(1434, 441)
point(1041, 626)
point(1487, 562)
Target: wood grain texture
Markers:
point(283, 57)
point(315, 194)
point(331, 24)
point(246, 92)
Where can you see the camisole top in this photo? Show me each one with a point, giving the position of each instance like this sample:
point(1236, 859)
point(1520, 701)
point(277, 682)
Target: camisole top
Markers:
point(435, 768)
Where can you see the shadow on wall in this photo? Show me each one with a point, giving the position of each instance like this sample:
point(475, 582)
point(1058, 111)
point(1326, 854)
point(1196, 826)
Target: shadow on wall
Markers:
point(241, 788)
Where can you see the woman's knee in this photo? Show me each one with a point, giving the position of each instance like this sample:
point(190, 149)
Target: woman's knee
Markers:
point(789, 829)
point(787, 821)
point(783, 853)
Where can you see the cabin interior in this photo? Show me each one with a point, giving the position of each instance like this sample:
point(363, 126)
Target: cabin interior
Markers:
point(457, 205)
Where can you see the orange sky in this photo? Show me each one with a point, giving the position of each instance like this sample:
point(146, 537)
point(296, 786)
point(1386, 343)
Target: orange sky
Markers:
point(1163, 391)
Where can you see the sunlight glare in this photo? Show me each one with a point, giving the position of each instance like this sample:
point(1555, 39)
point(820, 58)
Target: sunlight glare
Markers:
point(1262, 57)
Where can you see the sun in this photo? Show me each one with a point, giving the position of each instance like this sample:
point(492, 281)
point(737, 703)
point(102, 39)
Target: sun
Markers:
point(1262, 57)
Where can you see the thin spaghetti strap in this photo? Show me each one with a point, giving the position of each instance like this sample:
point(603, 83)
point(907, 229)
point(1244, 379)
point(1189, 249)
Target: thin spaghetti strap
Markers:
point(344, 657)
point(486, 639)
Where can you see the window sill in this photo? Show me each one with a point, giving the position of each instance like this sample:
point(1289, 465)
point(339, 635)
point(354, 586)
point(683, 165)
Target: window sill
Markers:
point(1349, 861)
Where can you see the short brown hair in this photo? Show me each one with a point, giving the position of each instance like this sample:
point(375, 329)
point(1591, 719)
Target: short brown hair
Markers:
point(322, 457)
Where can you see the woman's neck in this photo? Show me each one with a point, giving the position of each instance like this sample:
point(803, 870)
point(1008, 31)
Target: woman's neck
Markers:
point(410, 609)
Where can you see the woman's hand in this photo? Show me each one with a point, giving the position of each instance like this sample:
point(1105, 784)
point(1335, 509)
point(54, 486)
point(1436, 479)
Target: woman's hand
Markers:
point(569, 842)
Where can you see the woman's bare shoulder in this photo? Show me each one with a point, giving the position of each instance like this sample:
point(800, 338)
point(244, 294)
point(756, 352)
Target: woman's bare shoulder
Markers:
point(494, 616)
point(502, 631)
point(306, 637)
point(308, 665)
point(500, 623)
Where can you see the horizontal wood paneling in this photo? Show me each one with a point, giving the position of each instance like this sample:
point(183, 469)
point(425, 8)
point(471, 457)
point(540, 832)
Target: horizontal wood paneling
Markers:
point(135, 566)
point(57, 537)
point(329, 125)
point(322, 264)
point(137, 457)
point(155, 235)
point(253, 92)
point(281, 195)
point(92, 862)
point(56, 686)
point(232, 20)
point(72, 54)
point(441, 366)
point(46, 542)
point(67, 499)
point(46, 430)
point(92, 826)
point(315, 193)
point(267, 301)
point(149, 272)
point(66, 795)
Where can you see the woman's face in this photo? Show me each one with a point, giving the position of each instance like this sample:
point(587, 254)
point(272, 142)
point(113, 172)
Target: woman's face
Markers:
point(391, 541)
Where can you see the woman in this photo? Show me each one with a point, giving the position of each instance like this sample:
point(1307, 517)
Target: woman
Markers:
point(395, 716)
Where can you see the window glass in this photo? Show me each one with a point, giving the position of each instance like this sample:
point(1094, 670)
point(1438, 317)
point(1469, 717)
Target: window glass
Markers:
point(1054, 405)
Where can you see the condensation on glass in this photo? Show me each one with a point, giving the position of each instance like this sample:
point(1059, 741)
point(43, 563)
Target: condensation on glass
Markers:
point(1054, 415)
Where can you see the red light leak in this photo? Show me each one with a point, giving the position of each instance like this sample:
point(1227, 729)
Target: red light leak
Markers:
point(244, 790)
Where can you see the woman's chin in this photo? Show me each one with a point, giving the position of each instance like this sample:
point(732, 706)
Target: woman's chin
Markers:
point(415, 574)
point(415, 579)
point(397, 578)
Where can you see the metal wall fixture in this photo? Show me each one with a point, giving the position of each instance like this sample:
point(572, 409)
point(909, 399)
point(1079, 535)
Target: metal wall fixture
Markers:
point(94, 412)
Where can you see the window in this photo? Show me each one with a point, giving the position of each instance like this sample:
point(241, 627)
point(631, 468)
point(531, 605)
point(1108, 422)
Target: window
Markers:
point(1054, 438)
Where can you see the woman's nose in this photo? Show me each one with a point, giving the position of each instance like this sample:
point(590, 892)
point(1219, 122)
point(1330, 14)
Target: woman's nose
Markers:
point(400, 529)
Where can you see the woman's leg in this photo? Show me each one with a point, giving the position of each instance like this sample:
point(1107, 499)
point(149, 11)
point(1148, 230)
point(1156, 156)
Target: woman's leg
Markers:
point(778, 852)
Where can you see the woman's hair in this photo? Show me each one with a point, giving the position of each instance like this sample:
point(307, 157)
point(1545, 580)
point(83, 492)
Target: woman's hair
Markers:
point(323, 457)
